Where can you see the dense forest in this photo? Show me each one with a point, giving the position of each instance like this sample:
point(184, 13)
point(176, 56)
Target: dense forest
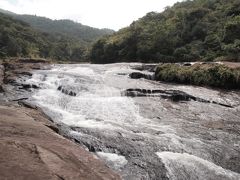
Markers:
point(84, 33)
point(195, 30)
point(33, 36)
point(189, 31)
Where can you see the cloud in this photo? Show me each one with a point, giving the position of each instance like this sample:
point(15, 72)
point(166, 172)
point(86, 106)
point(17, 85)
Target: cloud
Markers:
point(113, 14)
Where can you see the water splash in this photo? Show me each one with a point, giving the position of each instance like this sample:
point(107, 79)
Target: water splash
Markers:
point(182, 166)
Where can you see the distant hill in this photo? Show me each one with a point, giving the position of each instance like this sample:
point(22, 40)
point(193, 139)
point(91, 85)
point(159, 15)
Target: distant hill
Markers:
point(191, 30)
point(19, 39)
point(64, 27)
point(6, 12)
point(43, 37)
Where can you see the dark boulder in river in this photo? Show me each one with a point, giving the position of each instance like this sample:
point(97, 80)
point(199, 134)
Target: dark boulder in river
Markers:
point(173, 95)
point(65, 91)
point(138, 75)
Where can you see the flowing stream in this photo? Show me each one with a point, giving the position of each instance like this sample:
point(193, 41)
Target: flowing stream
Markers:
point(143, 137)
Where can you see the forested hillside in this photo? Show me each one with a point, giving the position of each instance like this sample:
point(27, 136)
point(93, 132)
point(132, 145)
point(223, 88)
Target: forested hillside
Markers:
point(17, 38)
point(83, 33)
point(189, 31)
point(33, 36)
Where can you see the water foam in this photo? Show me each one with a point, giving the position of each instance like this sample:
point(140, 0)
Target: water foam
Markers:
point(99, 105)
point(182, 166)
point(116, 160)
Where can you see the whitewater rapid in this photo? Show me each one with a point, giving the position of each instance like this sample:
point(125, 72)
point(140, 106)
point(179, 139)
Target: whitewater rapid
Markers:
point(143, 137)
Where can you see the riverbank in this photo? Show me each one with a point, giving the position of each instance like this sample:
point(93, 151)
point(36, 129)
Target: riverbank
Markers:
point(225, 76)
point(30, 146)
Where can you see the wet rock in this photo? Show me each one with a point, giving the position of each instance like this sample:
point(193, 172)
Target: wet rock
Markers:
point(174, 95)
point(53, 127)
point(226, 105)
point(1, 71)
point(145, 67)
point(20, 99)
point(10, 80)
point(59, 88)
point(1, 78)
point(27, 104)
point(122, 74)
point(138, 75)
point(12, 70)
point(187, 64)
point(65, 91)
point(8, 66)
point(72, 93)
point(140, 162)
point(1, 89)
point(25, 73)
point(157, 91)
point(29, 86)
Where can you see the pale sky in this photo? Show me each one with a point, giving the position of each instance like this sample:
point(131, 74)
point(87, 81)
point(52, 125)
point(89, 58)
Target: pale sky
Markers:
point(113, 14)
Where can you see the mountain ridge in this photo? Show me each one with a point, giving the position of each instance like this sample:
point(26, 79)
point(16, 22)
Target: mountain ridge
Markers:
point(65, 27)
point(33, 36)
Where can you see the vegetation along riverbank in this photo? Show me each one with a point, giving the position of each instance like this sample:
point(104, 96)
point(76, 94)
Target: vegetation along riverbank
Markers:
point(205, 74)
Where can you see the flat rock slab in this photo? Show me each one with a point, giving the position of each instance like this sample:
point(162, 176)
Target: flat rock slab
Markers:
point(31, 150)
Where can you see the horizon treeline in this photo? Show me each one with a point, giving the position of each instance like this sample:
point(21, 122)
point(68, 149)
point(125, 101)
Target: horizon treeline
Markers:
point(192, 30)
point(195, 30)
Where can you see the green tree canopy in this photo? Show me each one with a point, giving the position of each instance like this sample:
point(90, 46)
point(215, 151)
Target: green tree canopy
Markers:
point(191, 30)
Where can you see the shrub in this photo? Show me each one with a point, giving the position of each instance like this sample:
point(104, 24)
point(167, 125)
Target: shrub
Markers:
point(214, 75)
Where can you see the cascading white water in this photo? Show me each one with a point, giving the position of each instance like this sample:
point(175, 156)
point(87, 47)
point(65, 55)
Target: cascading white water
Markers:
point(194, 167)
point(145, 132)
point(96, 103)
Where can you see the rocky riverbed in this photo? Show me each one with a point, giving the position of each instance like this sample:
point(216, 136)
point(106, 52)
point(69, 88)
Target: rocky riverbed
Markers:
point(141, 128)
point(30, 144)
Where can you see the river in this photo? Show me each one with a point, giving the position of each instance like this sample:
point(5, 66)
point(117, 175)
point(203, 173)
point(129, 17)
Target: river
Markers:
point(143, 137)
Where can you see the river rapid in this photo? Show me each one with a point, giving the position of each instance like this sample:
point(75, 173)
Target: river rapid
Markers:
point(146, 137)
